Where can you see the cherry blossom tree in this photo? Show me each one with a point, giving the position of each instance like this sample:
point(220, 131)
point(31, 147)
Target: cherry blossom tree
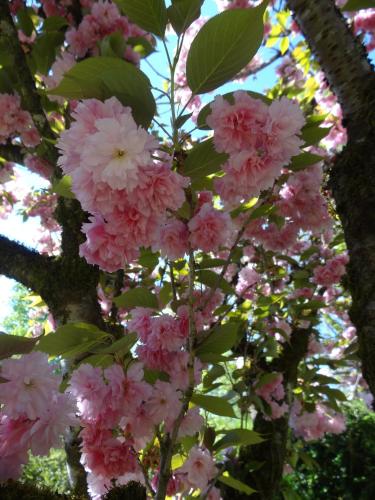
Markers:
point(194, 243)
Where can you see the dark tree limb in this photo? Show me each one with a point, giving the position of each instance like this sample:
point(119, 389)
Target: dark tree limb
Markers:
point(342, 57)
point(352, 79)
point(24, 265)
point(12, 153)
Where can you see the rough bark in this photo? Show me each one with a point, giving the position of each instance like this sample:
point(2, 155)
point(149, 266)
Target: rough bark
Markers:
point(351, 77)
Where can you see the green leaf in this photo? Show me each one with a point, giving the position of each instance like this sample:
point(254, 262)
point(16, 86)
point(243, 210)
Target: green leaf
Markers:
point(122, 345)
point(151, 15)
point(151, 376)
point(238, 437)
point(182, 119)
point(213, 404)
point(207, 263)
point(13, 344)
point(358, 4)
point(25, 22)
point(113, 45)
point(203, 160)
point(102, 360)
point(135, 297)
point(303, 160)
point(45, 49)
point(223, 46)
point(71, 339)
point(314, 134)
point(206, 110)
point(332, 393)
point(166, 293)
point(63, 187)
point(212, 357)
point(183, 12)
point(213, 280)
point(215, 372)
point(141, 45)
point(284, 45)
point(148, 258)
point(225, 478)
point(54, 23)
point(104, 77)
point(220, 340)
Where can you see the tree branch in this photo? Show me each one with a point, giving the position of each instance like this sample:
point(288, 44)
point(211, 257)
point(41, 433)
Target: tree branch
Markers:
point(24, 265)
point(342, 56)
point(11, 152)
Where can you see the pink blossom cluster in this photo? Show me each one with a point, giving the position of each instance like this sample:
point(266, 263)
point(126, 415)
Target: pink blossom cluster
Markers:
point(33, 413)
point(302, 202)
point(114, 178)
point(196, 472)
point(260, 140)
point(270, 235)
point(15, 122)
point(288, 70)
point(119, 412)
point(364, 22)
point(332, 271)
point(273, 393)
point(313, 425)
point(248, 277)
point(162, 340)
point(42, 205)
point(103, 19)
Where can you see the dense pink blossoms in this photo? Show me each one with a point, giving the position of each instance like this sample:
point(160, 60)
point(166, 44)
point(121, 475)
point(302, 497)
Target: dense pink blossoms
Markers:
point(34, 414)
point(103, 19)
point(332, 271)
point(114, 177)
point(16, 123)
point(314, 425)
point(260, 140)
point(273, 393)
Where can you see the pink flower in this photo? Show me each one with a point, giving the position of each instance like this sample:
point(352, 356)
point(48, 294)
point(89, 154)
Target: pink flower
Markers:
point(158, 188)
point(332, 271)
point(173, 239)
point(210, 229)
point(199, 467)
point(116, 150)
point(191, 423)
point(237, 125)
point(105, 455)
point(273, 393)
point(247, 279)
point(164, 402)
point(106, 246)
point(313, 425)
point(46, 432)
point(88, 387)
point(30, 385)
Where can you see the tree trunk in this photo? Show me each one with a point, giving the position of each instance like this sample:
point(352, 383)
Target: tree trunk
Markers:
point(351, 77)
